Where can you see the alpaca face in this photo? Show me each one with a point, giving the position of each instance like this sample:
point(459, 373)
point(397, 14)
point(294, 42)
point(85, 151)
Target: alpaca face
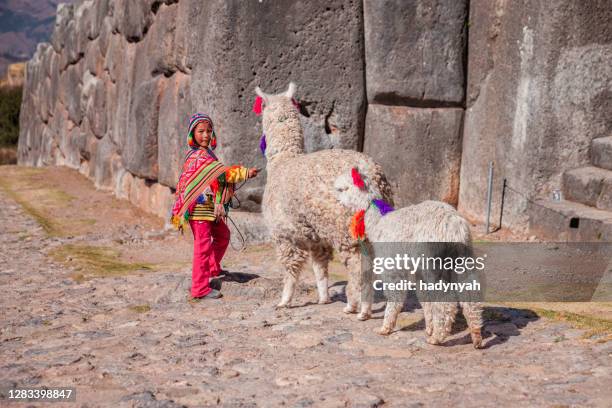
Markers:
point(349, 194)
point(281, 123)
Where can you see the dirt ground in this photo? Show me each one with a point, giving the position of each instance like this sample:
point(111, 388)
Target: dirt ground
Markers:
point(95, 296)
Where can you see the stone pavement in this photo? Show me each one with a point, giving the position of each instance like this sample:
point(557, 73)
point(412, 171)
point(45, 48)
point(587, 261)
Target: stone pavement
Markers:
point(133, 339)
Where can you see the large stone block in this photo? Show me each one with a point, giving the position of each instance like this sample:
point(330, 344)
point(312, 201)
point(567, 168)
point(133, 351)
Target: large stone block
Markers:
point(42, 85)
point(49, 148)
point(111, 100)
point(415, 51)
point(539, 81)
point(144, 67)
point(82, 18)
point(94, 59)
point(151, 197)
point(71, 53)
point(106, 32)
point(35, 74)
point(318, 45)
point(98, 13)
point(120, 104)
point(159, 42)
point(140, 151)
point(54, 78)
point(93, 103)
point(419, 150)
point(65, 14)
point(104, 161)
point(71, 145)
point(174, 113)
point(589, 185)
point(185, 38)
point(27, 147)
point(115, 54)
point(85, 141)
point(43, 98)
point(132, 18)
point(70, 91)
point(601, 152)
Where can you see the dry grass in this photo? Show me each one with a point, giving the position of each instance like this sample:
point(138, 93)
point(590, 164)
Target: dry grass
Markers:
point(140, 308)
point(95, 262)
point(595, 327)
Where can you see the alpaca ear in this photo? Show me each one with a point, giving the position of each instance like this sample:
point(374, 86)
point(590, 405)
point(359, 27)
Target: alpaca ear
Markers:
point(261, 94)
point(291, 90)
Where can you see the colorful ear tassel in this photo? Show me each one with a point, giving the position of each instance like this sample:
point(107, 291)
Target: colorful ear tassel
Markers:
point(257, 105)
point(262, 144)
point(357, 180)
point(358, 225)
point(382, 206)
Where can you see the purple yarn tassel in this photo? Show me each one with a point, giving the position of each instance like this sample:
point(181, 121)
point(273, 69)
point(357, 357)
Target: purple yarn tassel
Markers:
point(262, 144)
point(382, 206)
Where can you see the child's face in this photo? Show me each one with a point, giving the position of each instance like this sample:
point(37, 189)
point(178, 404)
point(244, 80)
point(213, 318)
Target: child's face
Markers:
point(202, 133)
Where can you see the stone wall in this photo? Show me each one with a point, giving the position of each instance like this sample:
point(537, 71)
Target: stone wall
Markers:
point(415, 85)
point(113, 92)
point(432, 89)
point(539, 91)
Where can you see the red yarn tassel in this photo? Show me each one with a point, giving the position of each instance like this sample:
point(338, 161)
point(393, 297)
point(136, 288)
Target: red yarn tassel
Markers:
point(358, 225)
point(214, 186)
point(357, 180)
point(257, 105)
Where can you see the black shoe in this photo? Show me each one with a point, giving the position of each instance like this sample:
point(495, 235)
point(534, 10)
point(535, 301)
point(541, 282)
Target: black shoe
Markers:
point(213, 294)
point(215, 284)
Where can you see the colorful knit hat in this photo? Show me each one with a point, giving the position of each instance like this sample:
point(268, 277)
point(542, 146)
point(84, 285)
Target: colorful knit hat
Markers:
point(193, 122)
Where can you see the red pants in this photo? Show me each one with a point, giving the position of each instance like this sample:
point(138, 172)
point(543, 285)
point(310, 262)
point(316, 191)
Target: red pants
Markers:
point(210, 240)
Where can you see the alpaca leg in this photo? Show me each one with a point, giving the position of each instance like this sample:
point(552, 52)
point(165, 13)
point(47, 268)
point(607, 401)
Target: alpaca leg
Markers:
point(293, 259)
point(290, 282)
point(321, 256)
point(353, 288)
point(442, 318)
point(473, 314)
point(392, 311)
point(450, 314)
point(366, 290)
point(428, 312)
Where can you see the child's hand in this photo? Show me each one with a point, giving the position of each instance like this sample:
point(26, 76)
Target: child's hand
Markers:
point(219, 210)
point(252, 172)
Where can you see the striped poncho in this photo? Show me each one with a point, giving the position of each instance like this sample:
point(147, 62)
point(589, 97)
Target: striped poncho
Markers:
point(203, 172)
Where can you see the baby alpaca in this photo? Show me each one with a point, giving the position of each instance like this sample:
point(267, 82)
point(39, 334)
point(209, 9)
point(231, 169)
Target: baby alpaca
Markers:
point(428, 222)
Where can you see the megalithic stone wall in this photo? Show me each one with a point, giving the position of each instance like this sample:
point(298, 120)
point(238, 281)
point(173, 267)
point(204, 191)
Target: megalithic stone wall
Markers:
point(539, 91)
point(415, 76)
point(112, 93)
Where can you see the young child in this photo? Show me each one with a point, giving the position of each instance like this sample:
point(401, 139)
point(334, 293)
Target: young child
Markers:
point(203, 192)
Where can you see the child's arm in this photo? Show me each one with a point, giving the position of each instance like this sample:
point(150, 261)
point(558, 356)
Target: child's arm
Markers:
point(224, 185)
point(236, 174)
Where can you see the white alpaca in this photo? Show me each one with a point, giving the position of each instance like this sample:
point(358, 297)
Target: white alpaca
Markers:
point(428, 222)
point(301, 212)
